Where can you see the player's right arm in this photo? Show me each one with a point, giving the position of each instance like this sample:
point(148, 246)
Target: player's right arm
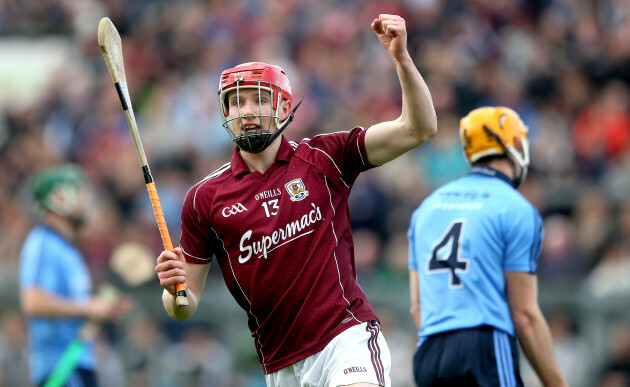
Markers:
point(414, 276)
point(531, 327)
point(172, 269)
point(414, 292)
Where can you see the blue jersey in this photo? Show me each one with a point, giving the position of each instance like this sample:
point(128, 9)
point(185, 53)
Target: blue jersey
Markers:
point(462, 239)
point(51, 263)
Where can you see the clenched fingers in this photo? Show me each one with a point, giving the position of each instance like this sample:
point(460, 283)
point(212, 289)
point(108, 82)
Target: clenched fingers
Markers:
point(390, 25)
point(171, 269)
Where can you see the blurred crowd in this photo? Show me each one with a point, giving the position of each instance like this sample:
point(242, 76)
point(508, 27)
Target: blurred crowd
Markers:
point(563, 65)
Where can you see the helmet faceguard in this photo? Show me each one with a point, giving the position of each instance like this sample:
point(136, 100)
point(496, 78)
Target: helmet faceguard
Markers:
point(264, 77)
point(496, 131)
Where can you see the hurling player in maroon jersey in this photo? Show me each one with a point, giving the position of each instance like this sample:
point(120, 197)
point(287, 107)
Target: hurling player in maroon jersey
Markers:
point(276, 220)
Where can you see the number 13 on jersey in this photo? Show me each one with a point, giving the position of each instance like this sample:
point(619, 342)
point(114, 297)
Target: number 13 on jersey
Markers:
point(271, 207)
point(445, 254)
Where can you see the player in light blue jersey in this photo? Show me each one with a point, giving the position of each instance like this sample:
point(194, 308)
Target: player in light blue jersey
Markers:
point(473, 249)
point(55, 285)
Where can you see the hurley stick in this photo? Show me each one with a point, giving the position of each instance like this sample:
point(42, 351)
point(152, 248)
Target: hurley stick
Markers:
point(111, 47)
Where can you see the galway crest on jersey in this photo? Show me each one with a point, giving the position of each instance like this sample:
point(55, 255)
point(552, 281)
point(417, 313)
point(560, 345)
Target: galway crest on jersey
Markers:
point(296, 189)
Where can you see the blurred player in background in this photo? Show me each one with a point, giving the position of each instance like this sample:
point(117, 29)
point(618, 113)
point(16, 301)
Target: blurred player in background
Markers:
point(276, 219)
point(474, 246)
point(55, 285)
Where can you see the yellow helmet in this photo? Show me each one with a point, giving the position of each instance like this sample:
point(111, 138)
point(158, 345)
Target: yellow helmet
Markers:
point(496, 131)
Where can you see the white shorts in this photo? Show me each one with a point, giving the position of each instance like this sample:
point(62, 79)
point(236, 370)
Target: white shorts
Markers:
point(357, 355)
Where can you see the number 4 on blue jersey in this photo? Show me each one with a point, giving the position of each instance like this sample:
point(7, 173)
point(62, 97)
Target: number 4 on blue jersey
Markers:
point(445, 254)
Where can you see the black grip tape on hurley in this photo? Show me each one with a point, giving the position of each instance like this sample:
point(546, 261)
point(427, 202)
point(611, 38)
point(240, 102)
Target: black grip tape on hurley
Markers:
point(147, 174)
point(123, 100)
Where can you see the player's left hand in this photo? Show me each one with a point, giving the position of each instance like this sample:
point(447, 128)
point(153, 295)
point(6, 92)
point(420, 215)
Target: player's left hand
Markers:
point(171, 269)
point(392, 33)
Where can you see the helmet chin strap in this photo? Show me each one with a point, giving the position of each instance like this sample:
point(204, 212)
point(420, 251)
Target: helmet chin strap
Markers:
point(518, 178)
point(244, 141)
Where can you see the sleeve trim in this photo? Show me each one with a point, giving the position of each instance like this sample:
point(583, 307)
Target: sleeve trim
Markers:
point(194, 259)
point(362, 150)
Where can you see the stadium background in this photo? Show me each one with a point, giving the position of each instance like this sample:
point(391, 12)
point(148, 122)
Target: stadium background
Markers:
point(564, 65)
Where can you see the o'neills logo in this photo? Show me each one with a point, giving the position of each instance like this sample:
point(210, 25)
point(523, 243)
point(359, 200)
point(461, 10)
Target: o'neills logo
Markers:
point(268, 194)
point(286, 234)
point(354, 369)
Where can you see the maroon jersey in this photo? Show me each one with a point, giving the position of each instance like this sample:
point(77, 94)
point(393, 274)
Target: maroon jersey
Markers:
point(284, 244)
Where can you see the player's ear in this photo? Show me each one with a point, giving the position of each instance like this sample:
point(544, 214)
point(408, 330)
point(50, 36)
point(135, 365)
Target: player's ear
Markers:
point(285, 110)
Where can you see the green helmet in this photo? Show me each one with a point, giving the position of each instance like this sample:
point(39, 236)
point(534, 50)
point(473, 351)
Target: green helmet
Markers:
point(58, 189)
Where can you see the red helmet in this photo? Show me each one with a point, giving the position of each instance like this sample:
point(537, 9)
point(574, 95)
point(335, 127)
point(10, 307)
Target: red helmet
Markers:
point(255, 74)
point(260, 76)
